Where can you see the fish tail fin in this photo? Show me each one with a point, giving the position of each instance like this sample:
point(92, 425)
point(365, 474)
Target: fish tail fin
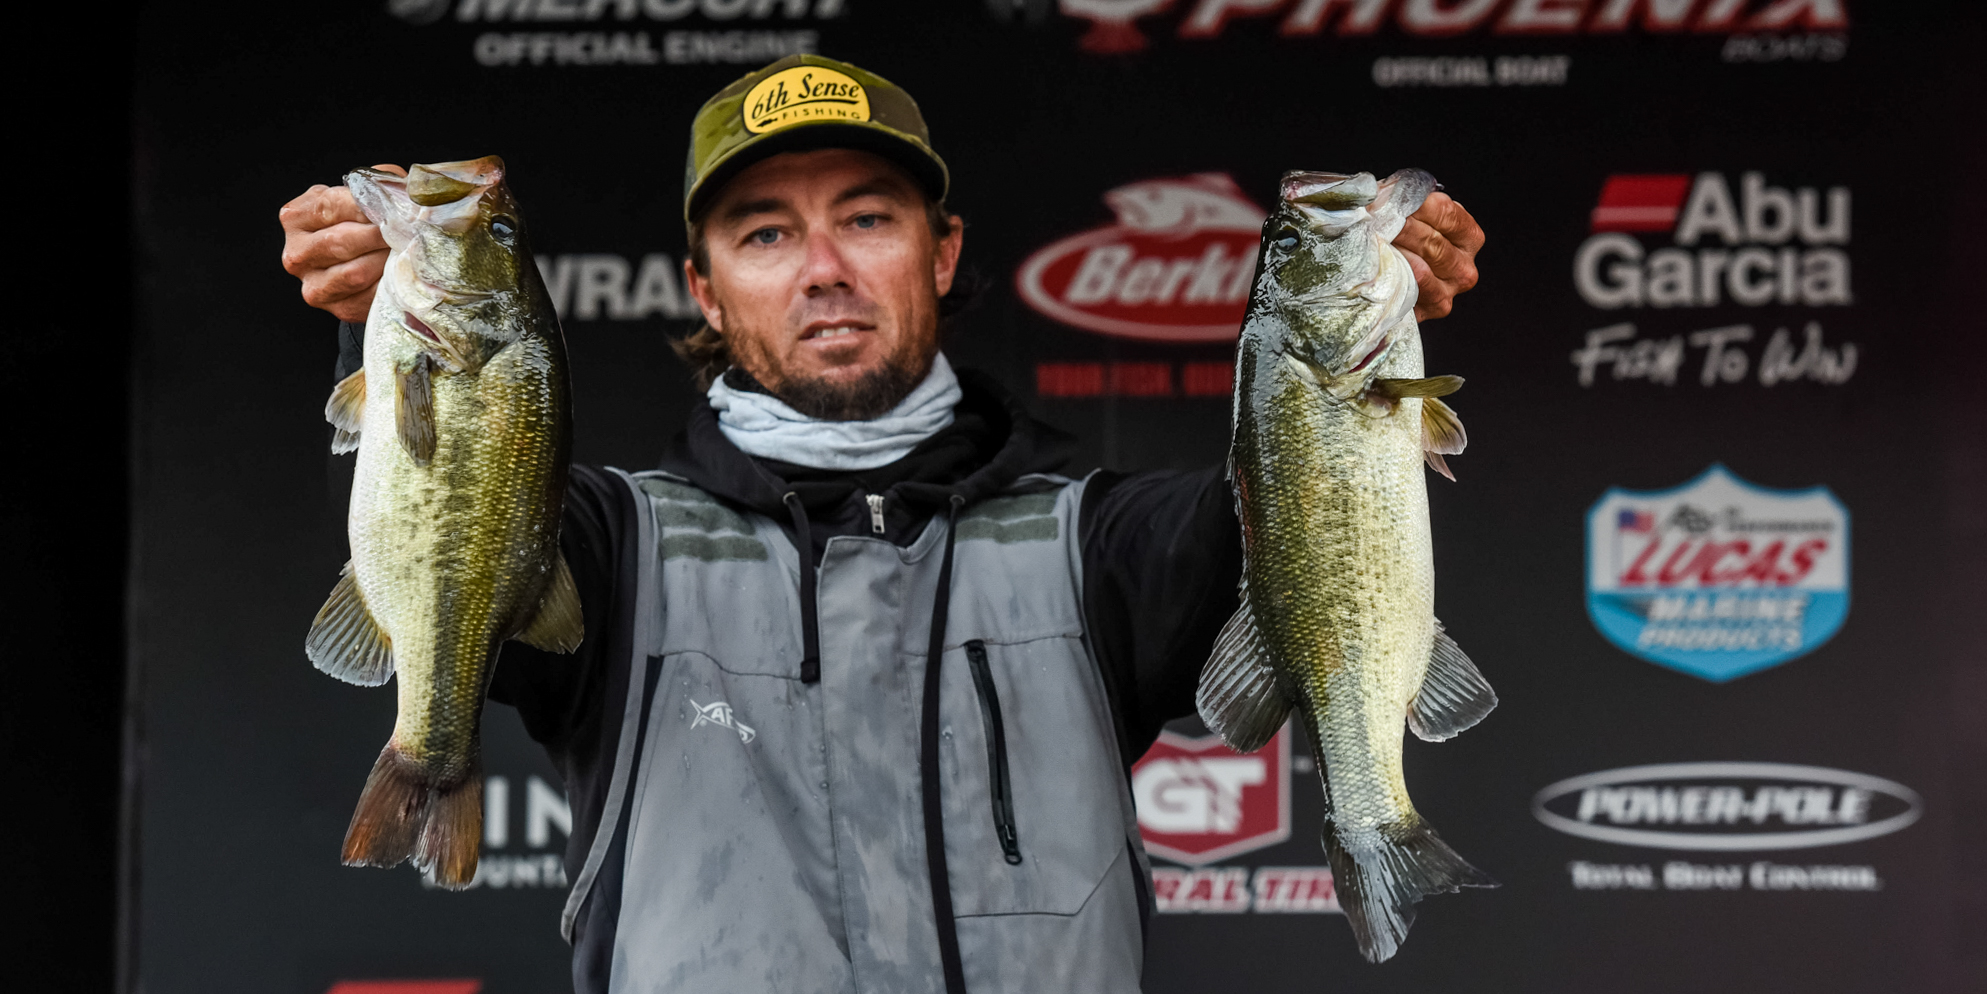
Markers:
point(403, 815)
point(452, 840)
point(1381, 875)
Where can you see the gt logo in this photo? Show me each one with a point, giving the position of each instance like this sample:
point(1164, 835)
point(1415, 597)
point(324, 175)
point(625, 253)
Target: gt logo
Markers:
point(719, 713)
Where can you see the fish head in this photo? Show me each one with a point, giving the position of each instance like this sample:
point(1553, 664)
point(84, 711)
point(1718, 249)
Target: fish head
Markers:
point(1329, 271)
point(459, 271)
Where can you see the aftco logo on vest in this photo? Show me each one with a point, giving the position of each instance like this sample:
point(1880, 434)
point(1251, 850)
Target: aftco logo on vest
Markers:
point(1718, 578)
point(1748, 244)
point(1200, 802)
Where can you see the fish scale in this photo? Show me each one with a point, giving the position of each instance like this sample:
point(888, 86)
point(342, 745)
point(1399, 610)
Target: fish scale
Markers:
point(461, 418)
point(1333, 421)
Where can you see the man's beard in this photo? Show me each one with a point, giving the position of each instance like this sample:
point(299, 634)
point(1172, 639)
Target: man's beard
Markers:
point(870, 395)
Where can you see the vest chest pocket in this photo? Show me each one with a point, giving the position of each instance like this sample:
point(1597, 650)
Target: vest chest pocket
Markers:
point(1032, 811)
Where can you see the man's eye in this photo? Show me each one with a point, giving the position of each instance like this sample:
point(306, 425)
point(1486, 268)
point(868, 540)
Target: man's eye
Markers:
point(868, 220)
point(765, 236)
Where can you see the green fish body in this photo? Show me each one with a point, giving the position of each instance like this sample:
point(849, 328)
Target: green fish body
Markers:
point(461, 418)
point(1333, 422)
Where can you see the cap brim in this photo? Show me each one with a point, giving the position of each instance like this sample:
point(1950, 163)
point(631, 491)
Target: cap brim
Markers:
point(922, 165)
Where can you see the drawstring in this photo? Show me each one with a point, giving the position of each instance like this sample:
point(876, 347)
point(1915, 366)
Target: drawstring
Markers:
point(934, 808)
point(810, 616)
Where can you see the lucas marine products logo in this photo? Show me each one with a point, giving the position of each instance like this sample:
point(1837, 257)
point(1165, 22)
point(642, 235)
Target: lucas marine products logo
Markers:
point(1718, 578)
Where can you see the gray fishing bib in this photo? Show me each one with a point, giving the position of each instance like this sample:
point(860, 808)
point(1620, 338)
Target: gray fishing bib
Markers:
point(774, 829)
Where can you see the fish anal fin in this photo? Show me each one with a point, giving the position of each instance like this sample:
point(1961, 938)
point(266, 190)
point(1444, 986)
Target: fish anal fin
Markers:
point(558, 626)
point(1382, 873)
point(414, 409)
point(345, 641)
point(1240, 695)
point(345, 410)
point(1454, 695)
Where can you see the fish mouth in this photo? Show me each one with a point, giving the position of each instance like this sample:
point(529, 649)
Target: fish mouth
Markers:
point(420, 327)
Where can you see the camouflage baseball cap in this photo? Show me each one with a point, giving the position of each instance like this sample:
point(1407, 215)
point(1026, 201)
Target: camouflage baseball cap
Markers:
point(799, 103)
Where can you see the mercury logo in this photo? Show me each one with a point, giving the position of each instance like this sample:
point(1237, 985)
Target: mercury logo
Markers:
point(1727, 806)
point(1765, 245)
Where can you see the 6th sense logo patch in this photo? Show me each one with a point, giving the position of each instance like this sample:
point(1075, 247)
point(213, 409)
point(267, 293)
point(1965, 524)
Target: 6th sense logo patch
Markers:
point(1718, 577)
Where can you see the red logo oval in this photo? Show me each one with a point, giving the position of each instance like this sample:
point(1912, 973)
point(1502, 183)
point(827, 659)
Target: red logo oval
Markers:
point(1176, 265)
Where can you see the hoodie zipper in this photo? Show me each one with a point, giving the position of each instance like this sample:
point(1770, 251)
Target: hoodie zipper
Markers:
point(876, 513)
point(998, 786)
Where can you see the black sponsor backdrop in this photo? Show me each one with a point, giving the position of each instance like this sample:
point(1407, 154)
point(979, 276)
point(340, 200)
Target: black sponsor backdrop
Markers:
point(248, 761)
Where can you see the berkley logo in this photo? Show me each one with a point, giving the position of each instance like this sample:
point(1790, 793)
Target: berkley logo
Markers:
point(1728, 807)
point(1174, 266)
point(1766, 245)
point(1718, 577)
point(1112, 30)
point(1200, 801)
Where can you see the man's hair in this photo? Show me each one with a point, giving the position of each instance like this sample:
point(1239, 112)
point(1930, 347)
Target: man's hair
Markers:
point(705, 351)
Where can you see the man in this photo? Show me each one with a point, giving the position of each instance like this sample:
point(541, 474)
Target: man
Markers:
point(862, 677)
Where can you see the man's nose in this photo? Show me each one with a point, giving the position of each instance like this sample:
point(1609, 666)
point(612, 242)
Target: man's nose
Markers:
point(826, 268)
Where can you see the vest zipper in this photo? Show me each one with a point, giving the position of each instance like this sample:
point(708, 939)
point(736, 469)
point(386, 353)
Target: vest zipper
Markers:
point(876, 513)
point(998, 786)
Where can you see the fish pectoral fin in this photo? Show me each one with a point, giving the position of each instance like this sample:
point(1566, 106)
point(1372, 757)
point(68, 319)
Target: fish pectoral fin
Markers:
point(1441, 434)
point(1240, 696)
point(345, 410)
point(345, 642)
point(1432, 386)
point(414, 409)
point(1454, 695)
point(558, 626)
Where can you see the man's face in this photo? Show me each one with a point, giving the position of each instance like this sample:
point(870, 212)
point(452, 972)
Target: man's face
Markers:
point(825, 278)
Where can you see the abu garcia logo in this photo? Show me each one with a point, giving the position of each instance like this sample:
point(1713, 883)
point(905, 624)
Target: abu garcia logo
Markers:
point(1766, 246)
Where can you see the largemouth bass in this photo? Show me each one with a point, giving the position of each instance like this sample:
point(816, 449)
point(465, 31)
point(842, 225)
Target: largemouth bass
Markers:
point(1333, 420)
point(462, 418)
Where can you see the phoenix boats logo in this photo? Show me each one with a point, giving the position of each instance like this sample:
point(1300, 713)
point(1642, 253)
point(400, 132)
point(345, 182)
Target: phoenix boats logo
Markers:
point(1730, 807)
point(1174, 266)
point(1113, 30)
point(1718, 578)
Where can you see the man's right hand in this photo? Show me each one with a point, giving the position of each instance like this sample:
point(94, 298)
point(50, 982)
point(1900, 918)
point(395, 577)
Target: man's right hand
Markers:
point(333, 249)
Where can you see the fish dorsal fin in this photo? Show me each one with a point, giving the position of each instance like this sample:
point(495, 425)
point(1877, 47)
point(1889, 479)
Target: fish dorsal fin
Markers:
point(1454, 695)
point(558, 626)
point(345, 410)
point(1441, 434)
point(345, 641)
point(1240, 696)
point(414, 409)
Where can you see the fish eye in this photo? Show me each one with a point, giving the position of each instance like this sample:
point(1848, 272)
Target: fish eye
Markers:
point(1286, 238)
point(503, 229)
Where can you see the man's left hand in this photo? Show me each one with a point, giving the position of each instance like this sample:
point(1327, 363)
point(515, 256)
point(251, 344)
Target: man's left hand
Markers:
point(1441, 241)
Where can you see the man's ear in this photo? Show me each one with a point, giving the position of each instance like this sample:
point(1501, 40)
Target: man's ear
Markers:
point(699, 286)
point(946, 264)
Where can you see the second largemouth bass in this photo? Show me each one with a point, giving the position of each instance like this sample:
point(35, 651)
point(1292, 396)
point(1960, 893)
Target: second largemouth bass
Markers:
point(1333, 420)
point(462, 420)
